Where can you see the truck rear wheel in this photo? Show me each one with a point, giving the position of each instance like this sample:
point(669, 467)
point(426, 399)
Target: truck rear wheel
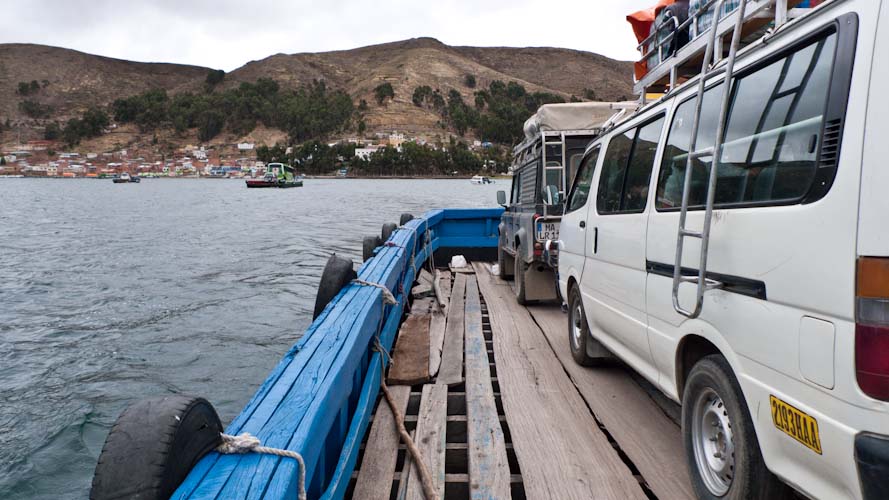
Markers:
point(721, 447)
point(520, 269)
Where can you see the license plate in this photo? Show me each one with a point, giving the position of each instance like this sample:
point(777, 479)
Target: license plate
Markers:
point(547, 231)
point(796, 424)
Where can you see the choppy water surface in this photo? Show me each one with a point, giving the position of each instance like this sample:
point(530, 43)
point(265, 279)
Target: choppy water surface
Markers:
point(111, 293)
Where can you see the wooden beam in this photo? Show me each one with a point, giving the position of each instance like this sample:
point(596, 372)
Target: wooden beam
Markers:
point(451, 370)
point(430, 438)
point(649, 438)
point(380, 454)
point(410, 360)
point(561, 451)
point(488, 466)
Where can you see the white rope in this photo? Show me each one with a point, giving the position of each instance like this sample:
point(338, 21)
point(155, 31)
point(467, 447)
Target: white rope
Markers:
point(247, 443)
point(388, 298)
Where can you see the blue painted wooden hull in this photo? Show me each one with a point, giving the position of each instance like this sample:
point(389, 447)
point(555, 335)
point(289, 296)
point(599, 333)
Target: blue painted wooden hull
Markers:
point(319, 399)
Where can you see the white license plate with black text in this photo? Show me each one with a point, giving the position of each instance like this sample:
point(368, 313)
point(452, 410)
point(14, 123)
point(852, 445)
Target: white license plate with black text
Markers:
point(547, 231)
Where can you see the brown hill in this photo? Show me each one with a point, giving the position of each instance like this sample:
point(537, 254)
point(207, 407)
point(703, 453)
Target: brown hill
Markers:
point(77, 80)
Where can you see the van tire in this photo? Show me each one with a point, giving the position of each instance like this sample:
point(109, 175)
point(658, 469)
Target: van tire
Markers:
point(337, 273)
point(388, 229)
point(578, 332)
point(713, 404)
point(520, 269)
point(153, 446)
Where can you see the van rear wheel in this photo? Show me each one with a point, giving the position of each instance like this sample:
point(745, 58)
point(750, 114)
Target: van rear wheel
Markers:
point(721, 447)
point(578, 329)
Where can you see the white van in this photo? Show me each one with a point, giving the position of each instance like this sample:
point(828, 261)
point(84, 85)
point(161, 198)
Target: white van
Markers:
point(783, 377)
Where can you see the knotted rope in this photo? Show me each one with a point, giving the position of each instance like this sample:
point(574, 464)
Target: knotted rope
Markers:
point(388, 298)
point(247, 443)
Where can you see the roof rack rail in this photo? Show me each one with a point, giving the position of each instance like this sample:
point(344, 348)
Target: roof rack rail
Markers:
point(673, 66)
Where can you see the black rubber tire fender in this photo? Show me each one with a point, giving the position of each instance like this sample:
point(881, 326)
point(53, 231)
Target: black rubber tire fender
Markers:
point(368, 245)
point(388, 229)
point(405, 218)
point(337, 273)
point(751, 477)
point(153, 446)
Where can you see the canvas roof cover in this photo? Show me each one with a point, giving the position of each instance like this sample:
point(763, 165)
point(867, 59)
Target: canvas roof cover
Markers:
point(570, 116)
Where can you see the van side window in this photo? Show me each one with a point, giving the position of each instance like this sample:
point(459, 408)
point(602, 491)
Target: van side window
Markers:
point(581, 190)
point(626, 169)
point(773, 134)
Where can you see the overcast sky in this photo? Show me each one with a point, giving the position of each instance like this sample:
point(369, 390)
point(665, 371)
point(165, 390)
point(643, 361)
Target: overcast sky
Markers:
point(226, 34)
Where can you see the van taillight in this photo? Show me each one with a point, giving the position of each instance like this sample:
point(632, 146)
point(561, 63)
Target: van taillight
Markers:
point(872, 327)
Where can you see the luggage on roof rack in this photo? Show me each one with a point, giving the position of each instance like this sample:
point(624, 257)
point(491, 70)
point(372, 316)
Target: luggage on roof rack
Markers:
point(672, 49)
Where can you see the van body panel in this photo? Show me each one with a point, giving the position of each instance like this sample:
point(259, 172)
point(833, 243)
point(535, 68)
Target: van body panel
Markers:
point(873, 222)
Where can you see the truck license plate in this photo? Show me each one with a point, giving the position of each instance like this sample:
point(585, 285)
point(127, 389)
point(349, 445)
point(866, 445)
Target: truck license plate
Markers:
point(547, 231)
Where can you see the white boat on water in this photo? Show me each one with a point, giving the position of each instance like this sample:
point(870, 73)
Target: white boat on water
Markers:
point(480, 179)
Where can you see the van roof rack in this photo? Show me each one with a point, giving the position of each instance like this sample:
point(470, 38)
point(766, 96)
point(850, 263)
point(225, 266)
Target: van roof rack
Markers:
point(685, 63)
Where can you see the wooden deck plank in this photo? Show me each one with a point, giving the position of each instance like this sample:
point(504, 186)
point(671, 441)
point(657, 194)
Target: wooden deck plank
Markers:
point(436, 341)
point(488, 465)
point(410, 360)
point(649, 438)
point(451, 370)
point(380, 454)
point(430, 439)
point(560, 449)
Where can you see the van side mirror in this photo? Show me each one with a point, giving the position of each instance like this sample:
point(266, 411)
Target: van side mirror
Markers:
point(501, 198)
point(552, 195)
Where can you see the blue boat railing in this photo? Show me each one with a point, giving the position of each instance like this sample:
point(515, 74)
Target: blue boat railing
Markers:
point(319, 398)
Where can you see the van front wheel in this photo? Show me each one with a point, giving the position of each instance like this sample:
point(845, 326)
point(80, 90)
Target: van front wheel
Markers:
point(721, 448)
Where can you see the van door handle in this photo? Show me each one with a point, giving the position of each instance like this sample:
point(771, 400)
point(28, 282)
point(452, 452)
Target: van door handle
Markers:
point(596, 240)
point(582, 224)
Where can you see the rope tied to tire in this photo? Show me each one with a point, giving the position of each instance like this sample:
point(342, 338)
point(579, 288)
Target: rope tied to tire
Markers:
point(248, 443)
point(388, 298)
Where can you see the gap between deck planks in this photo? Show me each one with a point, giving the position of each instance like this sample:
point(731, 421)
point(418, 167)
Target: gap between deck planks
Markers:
point(560, 449)
point(648, 437)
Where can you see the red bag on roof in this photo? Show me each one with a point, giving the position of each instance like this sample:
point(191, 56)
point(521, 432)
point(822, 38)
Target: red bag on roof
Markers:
point(641, 22)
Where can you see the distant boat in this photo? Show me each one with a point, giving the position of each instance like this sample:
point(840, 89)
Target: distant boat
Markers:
point(479, 179)
point(121, 179)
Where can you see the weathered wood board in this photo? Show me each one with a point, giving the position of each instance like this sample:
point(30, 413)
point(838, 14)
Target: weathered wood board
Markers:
point(430, 439)
point(375, 478)
point(488, 465)
point(436, 341)
point(560, 449)
point(649, 438)
point(410, 360)
point(451, 370)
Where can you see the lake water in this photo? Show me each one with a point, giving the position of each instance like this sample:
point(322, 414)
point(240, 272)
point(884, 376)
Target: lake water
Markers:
point(111, 293)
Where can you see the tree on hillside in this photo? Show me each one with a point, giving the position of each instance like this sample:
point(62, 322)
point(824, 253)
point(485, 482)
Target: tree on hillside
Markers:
point(52, 132)
point(214, 78)
point(469, 81)
point(2, 161)
point(34, 109)
point(384, 91)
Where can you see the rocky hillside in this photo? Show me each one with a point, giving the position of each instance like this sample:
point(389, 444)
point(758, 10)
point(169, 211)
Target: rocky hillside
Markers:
point(70, 81)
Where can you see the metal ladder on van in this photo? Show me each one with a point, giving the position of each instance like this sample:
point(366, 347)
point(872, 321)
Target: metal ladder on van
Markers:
point(707, 68)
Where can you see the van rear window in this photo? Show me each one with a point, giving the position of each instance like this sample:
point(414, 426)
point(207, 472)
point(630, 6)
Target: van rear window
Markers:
point(772, 137)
